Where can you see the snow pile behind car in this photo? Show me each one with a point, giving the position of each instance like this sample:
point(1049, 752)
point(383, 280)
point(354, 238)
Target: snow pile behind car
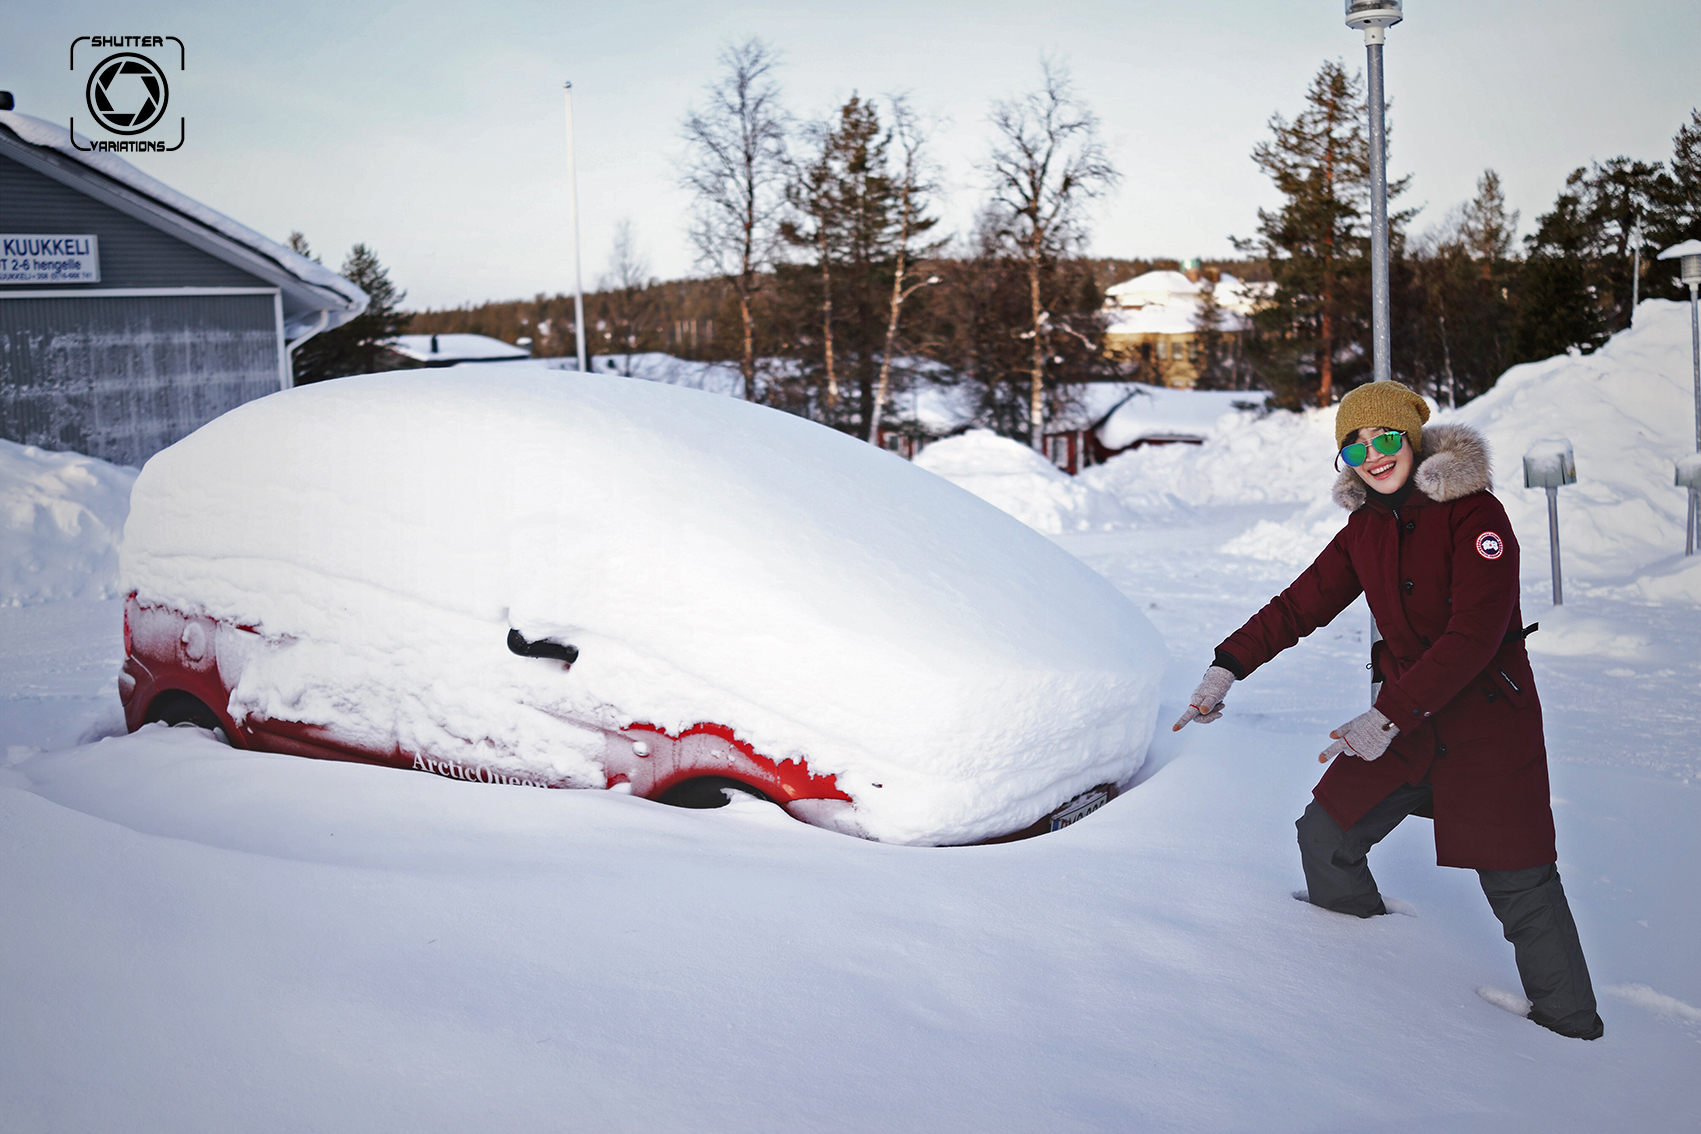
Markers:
point(713, 561)
point(1012, 477)
point(1246, 459)
point(60, 515)
point(1627, 409)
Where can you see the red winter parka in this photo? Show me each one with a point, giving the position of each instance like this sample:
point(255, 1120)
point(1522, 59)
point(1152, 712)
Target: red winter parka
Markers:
point(1440, 573)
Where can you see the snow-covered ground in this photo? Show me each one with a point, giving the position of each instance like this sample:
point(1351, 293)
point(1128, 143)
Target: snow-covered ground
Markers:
point(203, 939)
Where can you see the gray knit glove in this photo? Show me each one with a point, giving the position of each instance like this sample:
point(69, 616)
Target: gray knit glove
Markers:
point(1206, 704)
point(1366, 736)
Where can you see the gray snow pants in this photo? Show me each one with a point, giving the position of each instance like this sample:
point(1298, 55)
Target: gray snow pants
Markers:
point(1530, 904)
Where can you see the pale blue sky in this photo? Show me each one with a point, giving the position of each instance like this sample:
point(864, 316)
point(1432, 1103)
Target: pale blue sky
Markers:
point(433, 132)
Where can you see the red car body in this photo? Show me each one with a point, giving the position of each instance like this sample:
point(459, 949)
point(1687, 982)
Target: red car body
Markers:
point(181, 668)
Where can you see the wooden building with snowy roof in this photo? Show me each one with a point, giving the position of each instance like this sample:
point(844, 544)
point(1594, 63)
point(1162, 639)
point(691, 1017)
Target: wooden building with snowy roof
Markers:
point(130, 315)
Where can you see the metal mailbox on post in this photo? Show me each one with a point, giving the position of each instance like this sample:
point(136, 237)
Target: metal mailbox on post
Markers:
point(1551, 465)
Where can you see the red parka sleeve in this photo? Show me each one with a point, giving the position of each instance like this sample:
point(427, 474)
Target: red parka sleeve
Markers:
point(1322, 591)
point(1484, 594)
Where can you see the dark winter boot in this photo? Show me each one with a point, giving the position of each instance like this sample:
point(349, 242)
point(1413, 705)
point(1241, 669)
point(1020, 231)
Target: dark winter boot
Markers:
point(1537, 921)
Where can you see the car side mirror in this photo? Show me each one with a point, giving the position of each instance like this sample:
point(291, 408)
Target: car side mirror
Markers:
point(542, 648)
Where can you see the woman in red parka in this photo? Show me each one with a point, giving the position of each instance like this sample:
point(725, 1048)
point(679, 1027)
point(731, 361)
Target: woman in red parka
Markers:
point(1456, 732)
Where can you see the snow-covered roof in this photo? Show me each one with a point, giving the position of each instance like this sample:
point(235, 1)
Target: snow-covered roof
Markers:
point(1167, 303)
point(1687, 248)
point(323, 290)
point(456, 348)
point(1152, 287)
point(1159, 413)
point(1164, 319)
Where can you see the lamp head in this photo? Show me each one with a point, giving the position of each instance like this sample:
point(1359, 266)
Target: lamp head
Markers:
point(1688, 256)
point(1373, 17)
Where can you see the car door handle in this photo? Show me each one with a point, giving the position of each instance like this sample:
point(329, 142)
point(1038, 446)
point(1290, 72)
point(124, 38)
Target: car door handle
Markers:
point(542, 648)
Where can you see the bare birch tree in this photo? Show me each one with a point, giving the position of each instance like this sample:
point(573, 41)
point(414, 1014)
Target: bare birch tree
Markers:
point(1047, 163)
point(913, 189)
point(735, 167)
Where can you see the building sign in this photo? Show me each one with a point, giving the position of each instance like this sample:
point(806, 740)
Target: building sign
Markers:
point(37, 259)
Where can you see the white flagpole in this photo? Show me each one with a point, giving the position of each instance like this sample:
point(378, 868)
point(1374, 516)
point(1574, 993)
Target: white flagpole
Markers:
point(573, 197)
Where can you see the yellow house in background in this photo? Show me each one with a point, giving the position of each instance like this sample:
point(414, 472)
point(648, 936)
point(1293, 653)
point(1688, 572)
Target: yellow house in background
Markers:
point(1155, 317)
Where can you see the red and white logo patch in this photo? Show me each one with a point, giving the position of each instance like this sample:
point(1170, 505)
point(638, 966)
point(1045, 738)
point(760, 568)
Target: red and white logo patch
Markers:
point(1489, 545)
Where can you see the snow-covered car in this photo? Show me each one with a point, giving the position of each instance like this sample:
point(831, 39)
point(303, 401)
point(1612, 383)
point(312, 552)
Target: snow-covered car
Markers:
point(513, 575)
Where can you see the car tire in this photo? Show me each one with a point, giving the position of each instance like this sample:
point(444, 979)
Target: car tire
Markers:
point(706, 792)
point(176, 707)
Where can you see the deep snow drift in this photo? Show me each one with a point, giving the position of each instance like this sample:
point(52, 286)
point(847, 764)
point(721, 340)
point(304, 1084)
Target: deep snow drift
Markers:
point(713, 561)
point(60, 515)
point(199, 939)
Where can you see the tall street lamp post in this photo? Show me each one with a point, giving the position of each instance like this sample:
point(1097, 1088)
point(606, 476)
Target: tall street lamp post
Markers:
point(573, 199)
point(1374, 18)
point(1638, 241)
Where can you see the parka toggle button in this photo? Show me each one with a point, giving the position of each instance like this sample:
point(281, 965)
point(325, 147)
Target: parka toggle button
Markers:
point(1411, 525)
point(1407, 586)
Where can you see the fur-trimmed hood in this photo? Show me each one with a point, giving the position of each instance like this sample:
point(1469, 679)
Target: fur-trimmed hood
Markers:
point(1455, 464)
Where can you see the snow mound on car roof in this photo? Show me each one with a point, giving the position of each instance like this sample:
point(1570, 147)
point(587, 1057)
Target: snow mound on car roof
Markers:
point(713, 560)
point(1017, 480)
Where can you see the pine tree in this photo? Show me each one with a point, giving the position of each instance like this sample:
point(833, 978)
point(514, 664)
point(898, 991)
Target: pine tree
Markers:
point(1454, 287)
point(860, 210)
point(844, 208)
point(1317, 243)
point(907, 240)
point(1676, 216)
point(1557, 307)
point(358, 346)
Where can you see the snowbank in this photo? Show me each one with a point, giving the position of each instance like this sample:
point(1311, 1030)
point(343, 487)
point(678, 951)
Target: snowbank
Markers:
point(1628, 411)
point(60, 515)
point(714, 561)
point(1160, 413)
point(1676, 581)
point(1281, 458)
point(1017, 480)
point(656, 366)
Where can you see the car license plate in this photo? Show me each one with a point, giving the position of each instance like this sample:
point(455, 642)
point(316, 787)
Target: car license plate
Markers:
point(1078, 808)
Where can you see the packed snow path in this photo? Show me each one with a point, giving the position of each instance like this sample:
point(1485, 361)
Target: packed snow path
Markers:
point(202, 939)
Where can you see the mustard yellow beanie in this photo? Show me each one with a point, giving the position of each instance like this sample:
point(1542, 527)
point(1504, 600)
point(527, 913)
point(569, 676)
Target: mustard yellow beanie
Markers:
point(1389, 405)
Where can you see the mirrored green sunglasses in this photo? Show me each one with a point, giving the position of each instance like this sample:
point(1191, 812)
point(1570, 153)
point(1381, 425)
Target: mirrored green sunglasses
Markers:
point(1385, 443)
